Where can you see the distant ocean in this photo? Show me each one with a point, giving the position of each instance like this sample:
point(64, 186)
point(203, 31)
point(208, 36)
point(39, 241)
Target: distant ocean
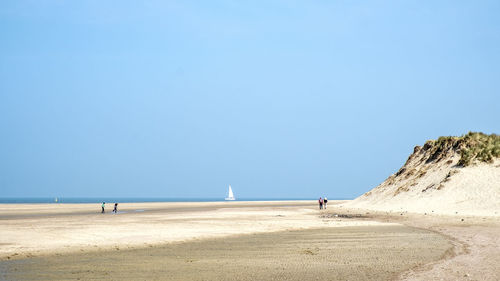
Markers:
point(35, 200)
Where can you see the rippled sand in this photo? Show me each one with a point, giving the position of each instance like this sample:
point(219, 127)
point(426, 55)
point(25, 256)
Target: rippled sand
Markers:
point(346, 253)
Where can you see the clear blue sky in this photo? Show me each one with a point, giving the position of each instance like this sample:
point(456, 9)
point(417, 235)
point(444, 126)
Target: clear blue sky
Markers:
point(277, 98)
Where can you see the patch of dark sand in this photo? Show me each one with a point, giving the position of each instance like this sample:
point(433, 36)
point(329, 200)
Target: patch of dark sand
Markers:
point(342, 253)
point(166, 208)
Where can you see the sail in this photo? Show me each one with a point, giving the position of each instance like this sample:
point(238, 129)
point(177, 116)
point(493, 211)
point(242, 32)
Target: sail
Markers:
point(230, 195)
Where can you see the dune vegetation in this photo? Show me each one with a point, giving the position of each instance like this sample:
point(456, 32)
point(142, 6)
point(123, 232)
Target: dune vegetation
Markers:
point(484, 148)
point(471, 147)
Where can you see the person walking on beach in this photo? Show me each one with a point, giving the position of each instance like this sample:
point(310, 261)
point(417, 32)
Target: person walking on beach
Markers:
point(102, 206)
point(115, 209)
point(325, 201)
point(320, 201)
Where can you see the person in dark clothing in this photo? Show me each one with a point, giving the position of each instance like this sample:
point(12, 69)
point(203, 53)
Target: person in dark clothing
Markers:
point(102, 206)
point(115, 209)
point(320, 201)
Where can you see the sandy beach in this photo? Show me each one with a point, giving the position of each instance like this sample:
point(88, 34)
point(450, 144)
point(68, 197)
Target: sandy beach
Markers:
point(152, 105)
point(281, 240)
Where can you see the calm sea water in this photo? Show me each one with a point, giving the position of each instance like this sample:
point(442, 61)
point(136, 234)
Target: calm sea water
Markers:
point(35, 200)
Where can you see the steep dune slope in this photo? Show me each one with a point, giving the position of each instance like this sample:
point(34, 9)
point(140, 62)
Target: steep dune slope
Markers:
point(448, 176)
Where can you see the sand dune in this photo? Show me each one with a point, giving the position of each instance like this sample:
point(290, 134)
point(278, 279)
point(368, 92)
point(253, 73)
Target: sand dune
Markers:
point(433, 180)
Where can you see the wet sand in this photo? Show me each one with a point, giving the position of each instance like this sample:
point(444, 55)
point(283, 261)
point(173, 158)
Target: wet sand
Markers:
point(345, 253)
point(23, 211)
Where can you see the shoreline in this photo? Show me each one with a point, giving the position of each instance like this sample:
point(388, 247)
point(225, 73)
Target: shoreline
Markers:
point(133, 200)
point(8, 210)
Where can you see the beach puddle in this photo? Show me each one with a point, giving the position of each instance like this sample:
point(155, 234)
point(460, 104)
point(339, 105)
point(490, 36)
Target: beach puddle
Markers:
point(341, 253)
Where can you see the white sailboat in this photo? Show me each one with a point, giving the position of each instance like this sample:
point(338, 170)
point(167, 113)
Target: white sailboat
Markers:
point(230, 195)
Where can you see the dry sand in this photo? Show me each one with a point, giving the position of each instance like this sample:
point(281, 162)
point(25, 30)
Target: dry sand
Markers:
point(442, 187)
point(242, 241)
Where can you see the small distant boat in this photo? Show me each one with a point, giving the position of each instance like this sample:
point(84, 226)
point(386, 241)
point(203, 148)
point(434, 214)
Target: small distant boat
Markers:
point(230, 195)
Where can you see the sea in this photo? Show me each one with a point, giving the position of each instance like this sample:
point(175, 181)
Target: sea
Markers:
point(82, 200)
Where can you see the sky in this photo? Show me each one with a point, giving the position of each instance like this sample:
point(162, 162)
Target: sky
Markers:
point(280, 99)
